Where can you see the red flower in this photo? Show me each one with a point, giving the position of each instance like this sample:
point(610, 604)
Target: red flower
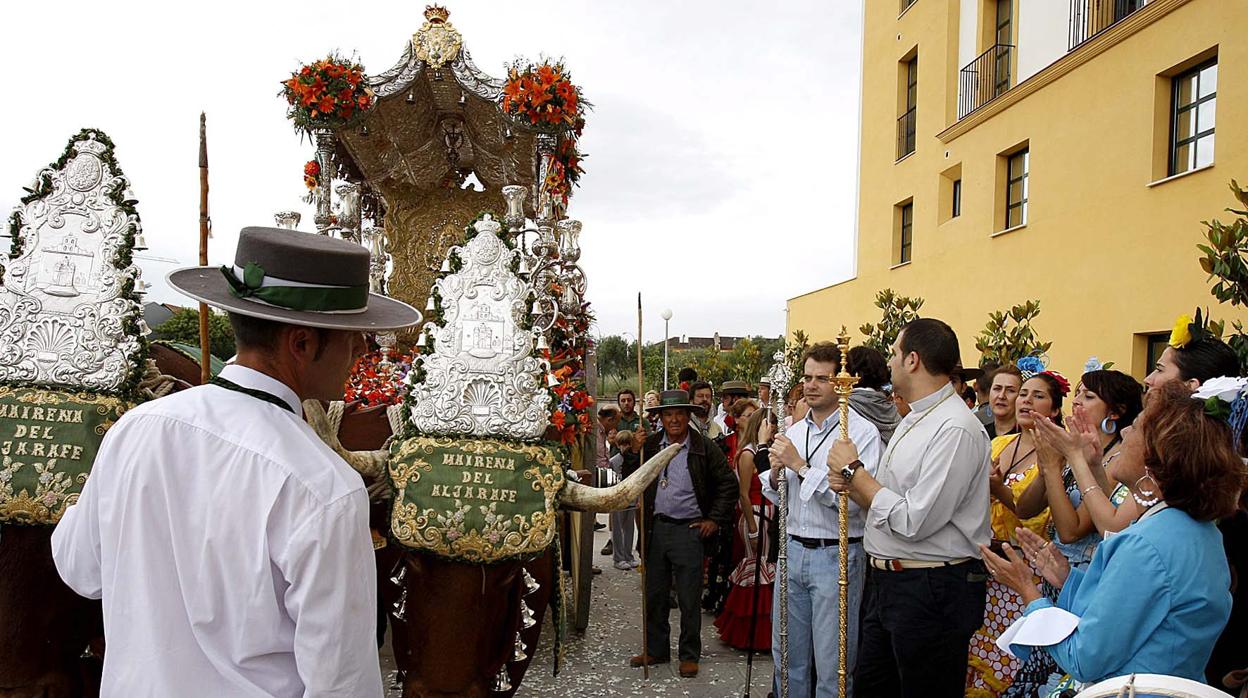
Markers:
point(312, 169)
point(557, 419)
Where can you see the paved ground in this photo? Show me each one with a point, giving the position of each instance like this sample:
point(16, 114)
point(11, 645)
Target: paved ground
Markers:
point(596, 662)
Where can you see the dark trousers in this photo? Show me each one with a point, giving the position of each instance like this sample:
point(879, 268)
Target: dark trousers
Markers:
point(916, 631)
point(675, 550)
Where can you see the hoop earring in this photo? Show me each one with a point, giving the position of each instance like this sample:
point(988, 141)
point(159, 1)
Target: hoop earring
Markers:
point(1146, 498)
point(1109, 426)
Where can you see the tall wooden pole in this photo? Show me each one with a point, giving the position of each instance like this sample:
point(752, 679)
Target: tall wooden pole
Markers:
point(641, 504)
point(844, 386)
point(205, 362)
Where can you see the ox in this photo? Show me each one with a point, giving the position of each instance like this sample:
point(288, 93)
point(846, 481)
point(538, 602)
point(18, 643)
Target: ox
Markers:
point(455, 624)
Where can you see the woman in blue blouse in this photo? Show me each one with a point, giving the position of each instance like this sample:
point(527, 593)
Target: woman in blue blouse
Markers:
point(1156, 595)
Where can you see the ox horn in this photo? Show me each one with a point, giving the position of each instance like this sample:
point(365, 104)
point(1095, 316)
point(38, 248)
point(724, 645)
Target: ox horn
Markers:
point(578, 497)
point(370, 464)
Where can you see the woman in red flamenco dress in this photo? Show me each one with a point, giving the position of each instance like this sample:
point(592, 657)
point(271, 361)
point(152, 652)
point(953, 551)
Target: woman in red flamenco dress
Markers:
point(748, 608)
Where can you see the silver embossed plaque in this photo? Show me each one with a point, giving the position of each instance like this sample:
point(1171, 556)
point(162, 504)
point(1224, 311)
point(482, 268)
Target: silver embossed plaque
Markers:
point(482, 378)
point(63, 308)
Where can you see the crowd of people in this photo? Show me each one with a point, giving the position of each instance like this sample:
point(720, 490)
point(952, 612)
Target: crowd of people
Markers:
point(1011, 533)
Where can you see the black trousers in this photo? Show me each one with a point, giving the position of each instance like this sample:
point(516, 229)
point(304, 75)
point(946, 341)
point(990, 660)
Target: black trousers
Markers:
point(916, 631)
point(675, 551)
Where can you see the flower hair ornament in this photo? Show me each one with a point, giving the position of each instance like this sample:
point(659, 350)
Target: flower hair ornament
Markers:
point(1029, 366)
point(1223, 397)
point(1187, 330)
point(1063, 385)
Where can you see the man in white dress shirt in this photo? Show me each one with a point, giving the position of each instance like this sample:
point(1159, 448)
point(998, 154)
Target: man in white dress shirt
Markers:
point(229, 546)
point(927, 514)
point(801, 454)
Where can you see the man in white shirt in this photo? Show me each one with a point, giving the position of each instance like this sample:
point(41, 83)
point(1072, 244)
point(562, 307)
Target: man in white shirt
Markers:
point(229, 546)
point(812, 526)
point(927, 514)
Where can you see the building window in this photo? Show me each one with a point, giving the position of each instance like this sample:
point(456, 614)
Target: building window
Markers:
point(1157, 344)
point(905, 238)
point(1193, 112)
point(1016, 188)
point(1004, 37)
point(906, 123)
point(957, 199)
point(905, 4)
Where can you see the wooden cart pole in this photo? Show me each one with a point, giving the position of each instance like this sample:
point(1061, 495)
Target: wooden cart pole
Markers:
point(205, 361)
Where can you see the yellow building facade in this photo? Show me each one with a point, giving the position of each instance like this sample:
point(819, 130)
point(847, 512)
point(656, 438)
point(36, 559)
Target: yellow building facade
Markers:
point(1064, 151)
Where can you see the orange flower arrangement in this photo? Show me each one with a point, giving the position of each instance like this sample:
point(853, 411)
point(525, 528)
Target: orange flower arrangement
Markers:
point(312, 174)
point(544, 97)
point(326, 94)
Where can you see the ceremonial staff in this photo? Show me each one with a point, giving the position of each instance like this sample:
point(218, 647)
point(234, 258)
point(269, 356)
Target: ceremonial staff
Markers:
point(844, 386)
point(205, 362)
point(641, 503)
point(781, 380)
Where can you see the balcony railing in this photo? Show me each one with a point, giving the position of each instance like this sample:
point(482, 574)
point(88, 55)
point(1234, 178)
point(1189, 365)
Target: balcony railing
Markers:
point(1091, 17)
point(905, 133)
point(984, 79)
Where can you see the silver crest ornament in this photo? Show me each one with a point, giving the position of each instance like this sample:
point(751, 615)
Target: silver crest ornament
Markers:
point(482, 378)
point(66, 315)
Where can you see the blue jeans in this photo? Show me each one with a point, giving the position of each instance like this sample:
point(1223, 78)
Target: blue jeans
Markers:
point(814, 597)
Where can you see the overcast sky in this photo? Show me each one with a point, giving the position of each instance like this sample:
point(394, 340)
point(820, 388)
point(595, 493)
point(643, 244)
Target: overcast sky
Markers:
point(722, 149)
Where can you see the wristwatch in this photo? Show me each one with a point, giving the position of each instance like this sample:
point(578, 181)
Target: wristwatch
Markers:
point(848, 471)
point(802, 473)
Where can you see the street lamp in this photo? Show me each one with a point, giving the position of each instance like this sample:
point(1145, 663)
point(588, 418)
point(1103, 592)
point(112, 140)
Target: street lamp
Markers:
point(667, 316)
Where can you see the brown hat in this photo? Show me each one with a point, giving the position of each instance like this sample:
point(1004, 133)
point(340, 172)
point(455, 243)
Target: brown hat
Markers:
point(734, 388)
point(299, 279)
point(670, 399)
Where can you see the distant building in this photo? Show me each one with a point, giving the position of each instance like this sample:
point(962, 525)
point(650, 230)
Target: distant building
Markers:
point(716, 341)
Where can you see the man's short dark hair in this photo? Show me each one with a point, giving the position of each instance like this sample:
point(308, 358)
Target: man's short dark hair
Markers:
point(258, 333)
point(626, 391)
point(824, 353)
point(935, 342)
point(687, 373)
point(700, 385)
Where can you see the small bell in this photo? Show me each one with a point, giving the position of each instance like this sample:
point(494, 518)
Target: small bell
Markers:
point(400, 606)
point(411, 97)
point(446, 265)
point(364, 131)
point(519, 655)
point(143, 328)
point(541, 343)
point(502, 682)
point(530, 584)
point(398, 577)
point(526, 616)
point(429, 305)
point(536, 308)
point(420, 341)
point(463, 98)
point(551, 381)
point(139, 242)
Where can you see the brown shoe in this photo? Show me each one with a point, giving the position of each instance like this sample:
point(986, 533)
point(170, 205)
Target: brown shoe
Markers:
point(688, 670)
point(637, 660)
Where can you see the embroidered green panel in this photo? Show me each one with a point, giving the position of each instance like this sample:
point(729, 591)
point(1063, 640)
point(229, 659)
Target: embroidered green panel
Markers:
point(48, 441)
point(474, 500)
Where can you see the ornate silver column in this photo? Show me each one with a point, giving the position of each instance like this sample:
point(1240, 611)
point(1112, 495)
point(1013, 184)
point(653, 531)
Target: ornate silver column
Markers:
point(325, 142)
point(781, 380)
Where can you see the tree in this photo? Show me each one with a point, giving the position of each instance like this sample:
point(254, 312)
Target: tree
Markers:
point(898, 310)
point(1009, 336)
point(616, 357)
point(1223, 260)
point(183, 327)
point(794, 351)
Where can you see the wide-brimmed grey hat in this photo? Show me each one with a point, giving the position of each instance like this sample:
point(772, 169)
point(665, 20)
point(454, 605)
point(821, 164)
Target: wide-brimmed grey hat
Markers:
point(676, 399)
point(296, 278)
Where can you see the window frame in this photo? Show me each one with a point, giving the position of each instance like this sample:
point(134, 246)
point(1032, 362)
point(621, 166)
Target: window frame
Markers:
point(1023, 182)
point(1177, 110)
point(905, 233)
point(907, 136)
point(955, 208)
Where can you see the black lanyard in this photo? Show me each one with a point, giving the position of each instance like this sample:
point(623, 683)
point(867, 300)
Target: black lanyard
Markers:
point(258, 394)
point(809, 453)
